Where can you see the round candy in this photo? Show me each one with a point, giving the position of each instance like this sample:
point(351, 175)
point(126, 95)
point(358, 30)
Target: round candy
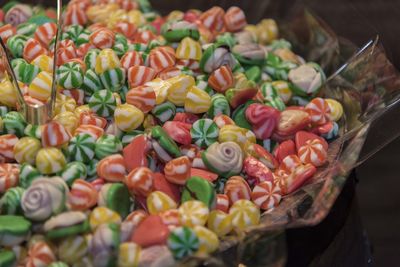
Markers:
point(128, 255)
point(182, 242)
point(197, 101)
point(107, 145)
point(81, 147)
point(25, 150)
point(103, 215)
point(102, 38)
point(193, 212)
point(130, 59)
point(27, 175)
point(140, 181)
point(143, 97)
point(70, 75)
point(40, 87)
point(128, 117)
point(105, 60)
point(82, 195)
point(8, 176)
point(161, 58)
point(263, 119)
point(72, 171)
point(164, 111)
point(319, 111)
point(14, 123)
point(234, 19)
point(112, 168)
point(90, 58)
point(204, 132)
point(208, 240)
point(10, 202)
point(266, 195)
point(219, 106)
point(313, 152)
point(189, 49)
point(219, 222)
point(54, 134)
point(16, 45)
point(33, 49)
point(113, 79)
point(91, 82)
point(72, 248)
point(221, 79)
point(244, 213)
point(45, 33)
point(50, 160)
point(40, 254)
point(335, 109)
point(7, 144)
point(103, 103)
point(158, 202)
point(237, 188)
point(8, 92)
point(139, 75)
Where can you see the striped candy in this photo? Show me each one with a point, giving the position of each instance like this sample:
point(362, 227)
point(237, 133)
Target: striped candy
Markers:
point(128, 117)
point(219, 106)
point(263, 119)
point(40, 88)
point(178, 88)
point(290, 163)
point(212, 19)
point(66, 51)
point(244, 213)
point(111, 168)
point(44, 62)
point(75, 15)
point(113, 79)
point(102, 38)
point(221, 79)
point(140, 181)
point(234, 19)
point(54, 134)
point(266, 195)
point(105, 60)
point(177, 170)
point(88, 117)
point(197, 101)
point(45, 33)
point(139, 75)
point(143, 97)
point(33, 49)
point(25, 150)
point(107, 145)
point(9, 174)
point(183, 242)
point(129, 253)
point(313, 152)
point(90, 58)
point(103, 103)
point(6, 31)
point(222, 203)
point(130, 59)
point(16, 44)
point(188, 49)
point(204, 132)
point(161, 58)
point(91, 82)
point(50, 160)
point(70, 75)
point(237, 188)
point(126, 28)
point(7, 143)
point(93, 130)
point(103, 215)
point(71, 249)
point(193, 212)
point(222, 120)
point(158, 202)
point(40, 254)
point(319, 111)
point(81, 147)
point(219, 222)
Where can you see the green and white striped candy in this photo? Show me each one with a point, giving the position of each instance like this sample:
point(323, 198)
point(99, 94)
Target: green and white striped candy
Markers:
point(122, 93)
point(72, 171)
point(128, 137)
point(120, 45)
point(3, 111)
point(275, 102)
point(70, 75)
point(91, 169)
point(58, 264)
point(90, 58)
point(81, 148)
point(73, 32)
point(219, 105)
point(27, 174)
point(33, 131)
point(16, 44)
point(113, 79)
point(268, 90)
point(138, 47)
point(277, 68)
point(91, 82)
point(83, 37)
point(103, 103)
point(164, 111)
point(10, 202)
point(14, 123)
point(25, 72)
point(26, 29)
point(204, 132)
point(107, 145)
point(183, 242)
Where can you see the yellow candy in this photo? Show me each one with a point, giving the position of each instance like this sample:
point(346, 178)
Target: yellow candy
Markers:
point(336, 109)
point(8, 93)
point(40, 87)
point(267, 31)
point(136, 17)
point(175, 15)
point(128, 255)
point(287, 55)
point(64, 103)
point(208, 240)
point(72, 249)
point(100, 13)
point(244, 213)
point(283, 90)
point(1, 124)
point(193, 212)
point(253, 30)
point(239, 135)
point(219, 222)
point(26, 149)
point(79, 110)
point(44, 63)
point(149, 121)
point(50, 160)
point(197, 101)
point(117, 98)
point(102, 215)
point(115, 17)
point(128, 117)
point(67, 119)
point(178, 88)
point(188, 49)
point(158, 201)
point(106, 60)
point(160, 88)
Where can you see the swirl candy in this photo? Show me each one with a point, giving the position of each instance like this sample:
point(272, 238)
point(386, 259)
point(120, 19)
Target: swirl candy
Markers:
point(107, 145)
point(319, 111)
point(244, 213)
point(204, 132)
point(105, 60)
point(45, 33)
point(7, 144)
point(139, 75)
point(33, 49)
point(237, 188)
point(208, 240)
point(50, 160)
point(103, 215)
point(70, 75)
point(193, 212)
point(143, 97)
point(158, 202)
point(197, 101)
point(219, 222)
point(14, 123)
point(306, 79)
point(40, 254)
point(25, 150)
point(102, 38)
point(81, 147)
point(113, 79)
point(225, 159)
point(103, 103)
point(183, 242)
point(10, 202)
point(266, 195)
point(111, 168)
point(161, 58)
point(313, 152)
point(140, 181)
point(40, 87)
point(54, 135)
point(82, 196)
point(72, 249)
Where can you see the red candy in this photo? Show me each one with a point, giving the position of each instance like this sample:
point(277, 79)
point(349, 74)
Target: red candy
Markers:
point(264, 156)
point(140, 181)
point(139, 75)
point(266, 195)
point(290, 163)
point(256, 170)
point(237, 188)
point(285, 149)
point(54, 134)
point(93, 130)
point(221, 79)
point(7, 143)
point(161, 58)
point(161, 184)
point(222, 120)
point(82, 196)
point(209, 176)
point(102, 38)
point(126, 28)
point(112, 168)
point(177, 171)
point(6, 31)
point(313, 152)
point(75, 14)
point(33, 49)
point(157, 236)
point(98, 184)
point(130, 59)
point(178, 131)
point(185, 117)
point(135, 152)
point(143, 97)
point(263, 119)
point(222, 203)
point(302, 137)
point(319, 111)
point(88, 117)
point(9, 176)
point(292, 182)
point(45, 33)
point(234, 19)
point(212, 19)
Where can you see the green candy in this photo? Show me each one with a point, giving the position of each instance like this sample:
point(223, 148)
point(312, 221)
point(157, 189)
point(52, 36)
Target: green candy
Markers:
point(175, 31)
point(164, 112)
point(219, 105)
point(113, 79)
point(9, 5)
point(239, 115)
point(120, 45)
point(91, 82)
point(165, 141)
point(144, 6)
point(90, 58)
point(27, 174)
point(197, 188)
point(10, 202)
point(279, 44)
point(58, 227)
point(204, 132)
point(14, 123)
point(33, 131)
point(183, 242)
point(139, 47)
point(26, 29)
point(91, 169)
point(128, 137)
point(103, 103)
point(16, 44)
point(226, 39)
point(13, 230)
point(40, 19)
point(16, 61)
point(253, 73)
point(81, 148)
point(275, 102)
point(77, 34)
point(116, 196)
point(122, 93)
point(3, 111)
point(83, 37)
point(26, 72)
point(277, 68)
point(107, 145)
point(58, 264)
point(7, 258)
point(72, 171)
point(70, 75)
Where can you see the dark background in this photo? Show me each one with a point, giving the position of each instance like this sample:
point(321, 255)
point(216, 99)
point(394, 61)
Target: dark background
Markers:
point(378, 189)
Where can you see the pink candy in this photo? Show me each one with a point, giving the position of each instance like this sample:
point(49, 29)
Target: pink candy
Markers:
point(263, 119)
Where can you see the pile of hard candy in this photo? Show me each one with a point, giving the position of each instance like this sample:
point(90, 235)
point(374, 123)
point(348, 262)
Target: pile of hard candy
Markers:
point(169, 134)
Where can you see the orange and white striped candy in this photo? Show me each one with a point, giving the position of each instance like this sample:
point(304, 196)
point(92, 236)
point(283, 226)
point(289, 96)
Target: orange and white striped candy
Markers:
point(212, 19)
point(54, 134)
point(40, 255)
point(66, 51)
point(88, 117)
point(82, 196)
point(221, 79)
point(140, 181)
point(222, 203)
point(136, 217)
point(130, 59)
point(9, 176)
point(82, 50)
point(177, 171)
point(44, 33)
point(158, 201)
point(319, 111)
point(234, 19)
point(266, 195)
point(6, 31)
point(7, 143)
point(313, 152)
point(237, 188)
point(102, 38)
point(75, 14)
point(95, 131)
point(33, 49)
point(192, 64)
point(143, 37)
point(289, 163)
point(169, 72)
point(143, 97)
point(161, 58)
point(171, 218)
point(126, 28)
point(222, 120)
point(139, 75)
point(112, 168)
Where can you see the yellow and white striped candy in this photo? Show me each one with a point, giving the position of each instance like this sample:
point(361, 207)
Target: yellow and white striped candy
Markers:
point(72, 249)
point(219, 222)
point(40, 87)
point(178, 88)
point(50, 160)
point(283, 90)
point(160, 88)
point(79, 110)
point(209, 241)
point(102, 215)
point(197, 100)
point(136, 17)
point(106, 60)
point(44, 63)
point(244, 213)
point(188, 49)
point(64, 103)
point(8, 93)
point(336, 109)
point(158, 201)
point(193, 212)
point(240, 136)
point(26, 149)
point(68, 119)
point(128, 255)
point(128, 117)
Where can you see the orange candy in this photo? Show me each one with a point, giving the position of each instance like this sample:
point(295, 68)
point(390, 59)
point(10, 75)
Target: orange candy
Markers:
point(88, 117)
point(212, 19)
point(237, 188)
point(54, 134)
point(313, 152)
point(93, 130)
point(222, 203)
point(138, 75)
point(177, 171)
point(9, 176)
point(234, 19)
point(102, 38)
point(82, 196)
point(75, 14)
point(112, 168)
point(33, 49)
point(7, 143)
point(319, 111)
point(140, 181)
point(161, 58)
point(126, 28)
point(142, 97)
point(44, 33)
point(130, 59)
point(40, 254)
point(221, 79)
